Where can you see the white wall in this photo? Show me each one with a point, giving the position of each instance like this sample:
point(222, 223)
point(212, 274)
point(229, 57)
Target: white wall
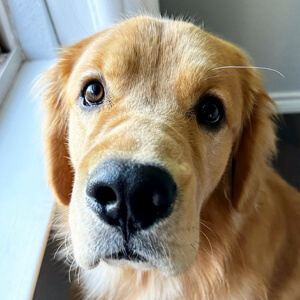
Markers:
point(269, 30)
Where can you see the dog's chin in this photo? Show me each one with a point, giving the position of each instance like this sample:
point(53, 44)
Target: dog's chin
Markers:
point(129, 259)
point(138, 265)
point(134, 261)
point(146, 263)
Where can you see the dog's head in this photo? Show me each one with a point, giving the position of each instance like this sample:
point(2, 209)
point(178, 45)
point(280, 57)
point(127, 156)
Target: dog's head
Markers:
point(142, 129)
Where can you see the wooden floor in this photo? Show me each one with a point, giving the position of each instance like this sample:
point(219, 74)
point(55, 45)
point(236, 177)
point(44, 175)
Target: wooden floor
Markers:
point(53, 280)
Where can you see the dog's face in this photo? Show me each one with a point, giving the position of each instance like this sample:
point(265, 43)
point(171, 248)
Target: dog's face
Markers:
point(152, 125)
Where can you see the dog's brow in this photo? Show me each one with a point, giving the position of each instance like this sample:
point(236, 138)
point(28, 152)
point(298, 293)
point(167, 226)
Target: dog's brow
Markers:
point(91, 73)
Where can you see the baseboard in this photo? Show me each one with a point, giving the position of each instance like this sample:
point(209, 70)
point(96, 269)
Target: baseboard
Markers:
point(287, 102)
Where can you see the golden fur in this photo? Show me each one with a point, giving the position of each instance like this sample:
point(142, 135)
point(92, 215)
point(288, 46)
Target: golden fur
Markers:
point(234, 234)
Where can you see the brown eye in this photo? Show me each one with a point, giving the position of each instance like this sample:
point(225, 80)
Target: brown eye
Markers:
point(210, 112)
point(93, 93)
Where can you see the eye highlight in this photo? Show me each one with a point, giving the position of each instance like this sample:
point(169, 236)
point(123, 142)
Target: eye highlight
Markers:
point(93, 93)
point(210, 112)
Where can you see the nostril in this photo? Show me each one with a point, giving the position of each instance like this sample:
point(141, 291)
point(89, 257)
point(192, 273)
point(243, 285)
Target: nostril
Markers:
point(148, 204)
point(105, 195)
point(145, 200)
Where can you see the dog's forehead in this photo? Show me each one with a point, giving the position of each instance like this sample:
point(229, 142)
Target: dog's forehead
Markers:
point(145, 46)
point(145, 43)
point(157, 57)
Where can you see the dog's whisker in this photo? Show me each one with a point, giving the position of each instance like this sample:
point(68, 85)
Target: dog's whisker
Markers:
point(59, 231)
point(78, 276)
point(57, 250)
point(250, 67)
point(203, 248)
point(59, 217)
point(206, 226)
point(67, 246)
point(70, 269)
point(211, 248)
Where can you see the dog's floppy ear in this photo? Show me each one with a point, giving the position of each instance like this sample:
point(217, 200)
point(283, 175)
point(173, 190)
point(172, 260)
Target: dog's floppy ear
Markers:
point(53, 84)
point(255, 148)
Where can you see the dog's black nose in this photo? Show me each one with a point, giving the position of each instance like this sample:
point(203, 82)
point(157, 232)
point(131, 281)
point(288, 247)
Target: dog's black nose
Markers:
point(131, 195)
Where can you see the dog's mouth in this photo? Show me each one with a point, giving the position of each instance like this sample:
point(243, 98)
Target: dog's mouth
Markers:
point(127, 255)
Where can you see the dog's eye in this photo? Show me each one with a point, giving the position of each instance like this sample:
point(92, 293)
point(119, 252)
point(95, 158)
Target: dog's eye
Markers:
point(93, 93)
point(210, 111)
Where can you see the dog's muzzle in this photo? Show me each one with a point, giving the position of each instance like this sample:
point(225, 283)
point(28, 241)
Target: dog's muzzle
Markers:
point(131, 196)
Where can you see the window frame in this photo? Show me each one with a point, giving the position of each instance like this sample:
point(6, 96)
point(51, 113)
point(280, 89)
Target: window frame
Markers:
point(82, 18)
point(12, 63)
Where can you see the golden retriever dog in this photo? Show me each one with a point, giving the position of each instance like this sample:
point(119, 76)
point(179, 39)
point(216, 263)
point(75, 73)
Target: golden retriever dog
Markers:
point(159, 140)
